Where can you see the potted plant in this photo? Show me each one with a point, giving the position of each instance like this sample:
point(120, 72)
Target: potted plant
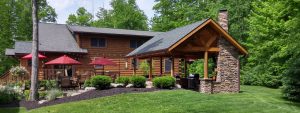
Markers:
point(18, 71)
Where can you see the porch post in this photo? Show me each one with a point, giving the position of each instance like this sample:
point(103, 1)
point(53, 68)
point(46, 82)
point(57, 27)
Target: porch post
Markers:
point(134, 66)
point(150, 68)
point(160, 65)
point(172, 67)
point(185, 67)
point(206, 65)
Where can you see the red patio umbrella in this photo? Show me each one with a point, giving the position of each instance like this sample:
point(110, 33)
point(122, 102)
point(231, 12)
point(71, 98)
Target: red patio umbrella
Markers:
point(63, 60)
point(29, 56)
point(103, 62)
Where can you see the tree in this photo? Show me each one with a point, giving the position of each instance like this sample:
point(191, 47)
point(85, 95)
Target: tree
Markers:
point(16, 24)
point(82, 18)
point(170, 14)
point(272, 42)
point(35, 49)
point(46, 13)
point(125, 14)
point(291, 78)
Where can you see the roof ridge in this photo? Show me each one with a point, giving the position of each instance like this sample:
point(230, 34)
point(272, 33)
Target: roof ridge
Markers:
point(113, 28)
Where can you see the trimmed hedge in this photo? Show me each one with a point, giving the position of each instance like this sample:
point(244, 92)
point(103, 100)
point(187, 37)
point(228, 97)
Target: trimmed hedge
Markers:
point(87, 83)
point(138, 81)
point(123, 80)
point(101, 82)
point(165, 82)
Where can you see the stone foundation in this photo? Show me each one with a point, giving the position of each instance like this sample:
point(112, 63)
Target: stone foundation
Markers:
point(206, 86)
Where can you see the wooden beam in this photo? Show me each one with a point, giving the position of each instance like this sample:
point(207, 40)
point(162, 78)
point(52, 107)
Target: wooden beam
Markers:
point(172, 67)
point(206, 65)
point(210, 41)
point(185, 67)
point(199, 49)
point(134, 66)
point(189, 35)
point(150, 68)
point(160, 65)
point(228, 37)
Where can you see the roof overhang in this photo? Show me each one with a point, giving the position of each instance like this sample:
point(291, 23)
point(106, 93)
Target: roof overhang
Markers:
point(212, 23)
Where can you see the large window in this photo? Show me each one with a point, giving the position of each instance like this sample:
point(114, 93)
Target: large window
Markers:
point(134, 43)
point(168, 64)
point(98, 42)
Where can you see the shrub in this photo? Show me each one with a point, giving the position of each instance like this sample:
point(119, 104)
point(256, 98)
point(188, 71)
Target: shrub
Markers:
point(87, 83)
point(272, 81)
point(123, 80)
point(9, 94)
point(42, 83)
point(53, 94)
point(26, 94)
point(101, 82)
point(144, 66)
point(165, 82)
point(291, 81)
point(27, 84)
point(138, 81)
point(197, 67)
point(41, 94)
point(50, 84)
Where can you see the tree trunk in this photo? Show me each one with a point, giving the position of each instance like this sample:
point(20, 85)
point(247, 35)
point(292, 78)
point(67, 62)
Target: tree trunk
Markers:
point(35, 48)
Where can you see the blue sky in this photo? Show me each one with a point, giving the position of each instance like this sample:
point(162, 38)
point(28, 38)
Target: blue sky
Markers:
point(64, 8)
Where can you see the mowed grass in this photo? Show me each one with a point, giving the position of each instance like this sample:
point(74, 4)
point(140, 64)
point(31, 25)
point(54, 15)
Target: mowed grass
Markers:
point(252, 99)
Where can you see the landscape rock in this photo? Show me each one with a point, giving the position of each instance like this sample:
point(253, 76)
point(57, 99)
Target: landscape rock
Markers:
point(89, 88)
point(149, 84)
point(115, 85)
point(74, 94)
point(42, 101)
point(178, 86)
point(129, 86)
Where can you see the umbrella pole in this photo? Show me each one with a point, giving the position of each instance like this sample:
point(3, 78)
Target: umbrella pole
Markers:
point(103, 70)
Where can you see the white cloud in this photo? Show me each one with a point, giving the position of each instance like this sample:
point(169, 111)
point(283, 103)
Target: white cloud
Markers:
point(61, 4)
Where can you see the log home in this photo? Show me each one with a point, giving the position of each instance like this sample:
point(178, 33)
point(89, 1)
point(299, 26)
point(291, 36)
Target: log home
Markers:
point(84, 44)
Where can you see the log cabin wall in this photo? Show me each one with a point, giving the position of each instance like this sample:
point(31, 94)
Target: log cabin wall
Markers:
point(117, 47)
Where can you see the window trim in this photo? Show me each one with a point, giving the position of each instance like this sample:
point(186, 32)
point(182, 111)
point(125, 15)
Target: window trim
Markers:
point(105, 40)
point(165, 65)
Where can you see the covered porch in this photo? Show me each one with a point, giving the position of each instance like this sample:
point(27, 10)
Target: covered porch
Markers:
point(201, 40)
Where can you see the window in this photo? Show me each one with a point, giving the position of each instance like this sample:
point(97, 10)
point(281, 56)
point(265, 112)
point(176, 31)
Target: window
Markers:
point(98, 42)
point(136, 43)
point(168, 63)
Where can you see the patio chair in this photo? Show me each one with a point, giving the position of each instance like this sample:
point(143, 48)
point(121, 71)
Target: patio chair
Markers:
point(66, 83)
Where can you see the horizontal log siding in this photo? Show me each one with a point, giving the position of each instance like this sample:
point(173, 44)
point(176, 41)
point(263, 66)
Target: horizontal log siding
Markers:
point(117, 47)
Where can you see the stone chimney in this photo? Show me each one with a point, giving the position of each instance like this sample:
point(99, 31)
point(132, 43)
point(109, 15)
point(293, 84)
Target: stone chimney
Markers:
point(223, 19)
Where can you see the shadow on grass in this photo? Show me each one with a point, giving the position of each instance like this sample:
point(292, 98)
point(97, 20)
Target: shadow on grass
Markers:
point(291, 102)
point(13, 107)
point(242, 91)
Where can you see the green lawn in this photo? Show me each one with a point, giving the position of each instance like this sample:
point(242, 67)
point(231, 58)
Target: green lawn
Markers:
point(252, 99)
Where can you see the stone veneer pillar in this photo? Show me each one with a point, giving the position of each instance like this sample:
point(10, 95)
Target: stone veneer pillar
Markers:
point(228, 76)
point(206, 86)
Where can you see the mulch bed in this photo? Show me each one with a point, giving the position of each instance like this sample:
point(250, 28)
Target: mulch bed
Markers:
point(84, 96)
